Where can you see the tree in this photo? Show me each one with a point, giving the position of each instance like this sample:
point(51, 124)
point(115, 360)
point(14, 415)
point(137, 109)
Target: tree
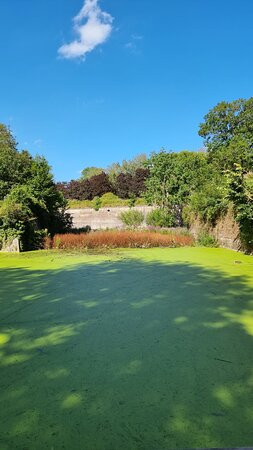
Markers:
point(138, 186)
point(173, 176)
point(32, 204)
point(123, 185)
point(228, 134)
point(138, 162)
point(89, 172)
point(15, 167)
point(76, 189)
point(100, 184)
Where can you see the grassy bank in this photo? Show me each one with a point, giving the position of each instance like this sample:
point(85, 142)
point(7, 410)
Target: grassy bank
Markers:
point(107, 200)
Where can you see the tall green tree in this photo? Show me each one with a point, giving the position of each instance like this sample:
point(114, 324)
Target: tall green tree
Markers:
point(228, 134)
point(15, 166)
point(174, 176)
point(32, 205)
point(89, 172)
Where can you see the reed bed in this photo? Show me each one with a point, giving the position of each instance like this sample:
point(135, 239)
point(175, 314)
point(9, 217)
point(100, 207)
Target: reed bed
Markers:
point(119, 239)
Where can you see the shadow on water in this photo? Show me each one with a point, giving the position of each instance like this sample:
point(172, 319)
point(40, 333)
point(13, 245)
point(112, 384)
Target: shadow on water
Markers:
point(125, 355)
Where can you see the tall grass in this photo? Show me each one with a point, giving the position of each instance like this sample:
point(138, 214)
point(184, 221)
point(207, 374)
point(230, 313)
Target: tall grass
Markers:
point(118, 239)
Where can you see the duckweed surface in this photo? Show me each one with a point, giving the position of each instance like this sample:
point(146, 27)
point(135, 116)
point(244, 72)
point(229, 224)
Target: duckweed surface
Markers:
point(137, 349)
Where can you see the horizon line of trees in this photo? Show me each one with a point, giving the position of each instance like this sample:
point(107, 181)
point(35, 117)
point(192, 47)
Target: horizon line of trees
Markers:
point(125, 185)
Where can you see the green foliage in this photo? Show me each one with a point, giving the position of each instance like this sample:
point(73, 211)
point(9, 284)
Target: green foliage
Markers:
point(130, 167)
point(209, 202)
point(174, 176)
point(131, 201)
point(31, 205)
point(240, 193)
point(132, 218)
point(97, 203)
point(228, 133)
point(160, 218)
point(206, 240)
point(18, 217)
point(15, 167)
point(115, 169)
point(89, 172)
point(248, 183)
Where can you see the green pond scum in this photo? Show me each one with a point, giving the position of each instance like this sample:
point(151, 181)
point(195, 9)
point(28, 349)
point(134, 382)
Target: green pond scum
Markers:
point(135, 349)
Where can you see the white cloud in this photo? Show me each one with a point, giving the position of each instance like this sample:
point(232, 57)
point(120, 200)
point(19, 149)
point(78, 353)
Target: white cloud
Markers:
point(92, 26)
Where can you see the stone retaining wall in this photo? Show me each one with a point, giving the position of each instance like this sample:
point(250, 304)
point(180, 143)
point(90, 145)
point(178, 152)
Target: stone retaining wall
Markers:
point(12, 246)
point(226, 231)
point(104, 218)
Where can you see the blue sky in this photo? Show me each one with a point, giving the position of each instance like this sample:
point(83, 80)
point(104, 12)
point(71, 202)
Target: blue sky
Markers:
point(124, 77)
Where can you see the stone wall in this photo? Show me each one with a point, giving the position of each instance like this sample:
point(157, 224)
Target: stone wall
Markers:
point(104, 218)
point(12, 246)
point(226, 231)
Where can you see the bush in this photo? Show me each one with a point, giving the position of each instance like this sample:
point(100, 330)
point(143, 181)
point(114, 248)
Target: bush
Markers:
point(118, 239)
point(206, 240)
point(132, 218)
point(160, 218)
point(210, 202)
point(131, 201)
point(97, 203)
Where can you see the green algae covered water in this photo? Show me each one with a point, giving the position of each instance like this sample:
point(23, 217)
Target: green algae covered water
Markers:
point(136, 349)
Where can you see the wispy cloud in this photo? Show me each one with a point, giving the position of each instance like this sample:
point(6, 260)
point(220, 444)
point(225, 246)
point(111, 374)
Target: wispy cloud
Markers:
point(38, 142)
point(92, 26)
point(133, 45)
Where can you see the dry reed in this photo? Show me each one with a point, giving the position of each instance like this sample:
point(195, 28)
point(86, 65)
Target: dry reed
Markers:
point(119, 239)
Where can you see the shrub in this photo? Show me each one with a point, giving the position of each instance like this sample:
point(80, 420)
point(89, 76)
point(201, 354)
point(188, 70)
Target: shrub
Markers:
point(132, 201)
point(210, 202)
point(160, 218)
point(97, 203)
point(206, 240)
point(132, 218)
point(119, 239)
